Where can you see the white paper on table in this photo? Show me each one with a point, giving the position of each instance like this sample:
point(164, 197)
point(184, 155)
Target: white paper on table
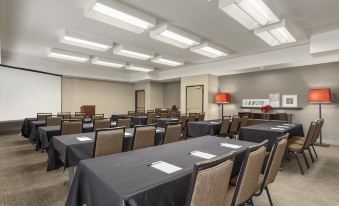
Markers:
point(276, 128)
point(165, 167)
point(215, 122)
point(283, 126)
point(203, 155)
point(83, 139)
point(158, 130)
point(128, 133)
point(289, 124)
point(233, 146)
point(174, 119)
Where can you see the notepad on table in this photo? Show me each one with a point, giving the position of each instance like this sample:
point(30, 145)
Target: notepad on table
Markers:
point(158, 130)
point(215, 122)
point(203, 155)
point(276, 128)
point(233, 146)
point(283, 126)
point(83, 139)
point(128, 133)
point(165, 167)
point(289, 124)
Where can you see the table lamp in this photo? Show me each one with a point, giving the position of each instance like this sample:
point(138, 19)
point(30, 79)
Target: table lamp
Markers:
point(222, 98)
point(320, 96)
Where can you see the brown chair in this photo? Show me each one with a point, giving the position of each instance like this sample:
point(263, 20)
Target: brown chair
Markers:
point(131, 113)
point(71, 127)
point(80, 114)
point(124, 123)
point(172, 132)
point(43, 116)
point(65, 115)
point(210, 181)
point(141, 112)
point(157, 111)
point(101, 124)
point(97, 116)
point(192, 117)
point(225, 126)
point(163, 115)
point(183, 120)
point(144, 136)
point(234, 128)
point(272, 166)
point(317, 135)
point(296, 149)
point(108, 141)
point(201, 117)
point(247, 181)
point(244, 121)
point(79, 117)
point(174, 114)
point(150, 118)
point(53, 121)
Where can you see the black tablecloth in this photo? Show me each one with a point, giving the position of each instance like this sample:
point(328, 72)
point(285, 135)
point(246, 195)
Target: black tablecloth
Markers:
point(202, 128)
point(260, 132)
point(161, 122)
point(67, 151)
point(25, 128)
point(115, 117)
point(139, 120)
point(126, 179)
point(34, 126)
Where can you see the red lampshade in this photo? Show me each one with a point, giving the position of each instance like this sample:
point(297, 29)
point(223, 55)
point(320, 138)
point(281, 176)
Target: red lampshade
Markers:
point(222, 98)
point(320, 96)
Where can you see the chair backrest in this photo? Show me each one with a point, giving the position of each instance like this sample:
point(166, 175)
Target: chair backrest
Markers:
point(310, 134)
point(172, 132)
point(43, 116)
point(163, 115)
point(319, 126)
point(78, 117)
point(53, 121)
point(143, 136)
point(101, 123)
point(235, 124)
point(244, 121)
point(108, 141)
point(274, 161)
point(174, 114)
point(225, 126)
point(131, 113)
point(71, 127)
point(183, 120)
point(250, 170)
point(192, 117)
point(150, 118)
point(210, 180)
point(65, 115)
point(141, 112)
point(80, 114)
point(97, 116)
point(124, 123)
point(157, 111)
point(201, 117)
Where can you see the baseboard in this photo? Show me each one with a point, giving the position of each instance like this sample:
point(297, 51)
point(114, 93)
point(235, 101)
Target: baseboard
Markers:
point(331, 142)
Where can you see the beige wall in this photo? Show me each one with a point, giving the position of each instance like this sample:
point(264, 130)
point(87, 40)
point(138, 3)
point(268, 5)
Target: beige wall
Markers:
point(172, 94)
point(109, 97)
point(156, 95)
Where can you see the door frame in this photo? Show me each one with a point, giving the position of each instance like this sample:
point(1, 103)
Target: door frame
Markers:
point(202, 103)
point(136, 99)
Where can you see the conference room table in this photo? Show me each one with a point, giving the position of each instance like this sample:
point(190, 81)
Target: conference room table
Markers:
point(115, 117)
point(139, 120)
point(202, 128)
point(269, 130)
point(67, 150)
point(128, 179)
point(25, 129)
point(161, 122)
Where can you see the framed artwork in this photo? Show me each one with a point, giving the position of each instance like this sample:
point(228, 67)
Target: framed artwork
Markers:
point(274, 99)
point(255, 102)
point(290, 100)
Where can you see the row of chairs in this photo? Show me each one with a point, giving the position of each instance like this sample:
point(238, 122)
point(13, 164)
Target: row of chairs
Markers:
point(66, 115)
point(230, 126)
point(212, 184)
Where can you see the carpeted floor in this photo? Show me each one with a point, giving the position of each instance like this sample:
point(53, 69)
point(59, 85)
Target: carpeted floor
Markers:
point(24, 180)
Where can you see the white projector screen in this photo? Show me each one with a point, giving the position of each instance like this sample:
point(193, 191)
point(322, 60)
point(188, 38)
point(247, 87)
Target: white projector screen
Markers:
point(25, 93)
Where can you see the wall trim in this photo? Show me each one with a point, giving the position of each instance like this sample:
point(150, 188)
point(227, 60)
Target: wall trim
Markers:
point(30, 70)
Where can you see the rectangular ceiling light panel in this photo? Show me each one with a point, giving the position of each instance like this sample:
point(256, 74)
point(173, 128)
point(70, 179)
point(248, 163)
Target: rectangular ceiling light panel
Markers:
point(85, 41)
point(210, 50)
point(108, 62)
point(67, 55)
point(139, 68)
point(120, 15)
point(166, 60)
point(132, 52)
point(174, 36)
point(276, 34)
point(250, 13)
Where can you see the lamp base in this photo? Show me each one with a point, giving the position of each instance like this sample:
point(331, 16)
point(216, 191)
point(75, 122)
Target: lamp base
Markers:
point(322, 144)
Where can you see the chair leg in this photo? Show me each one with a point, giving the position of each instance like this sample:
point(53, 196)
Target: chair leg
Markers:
point(311, 155)
point(251, 201)
point(269, 196)
point(301, 169)
point(305, 158)
point(316, 155)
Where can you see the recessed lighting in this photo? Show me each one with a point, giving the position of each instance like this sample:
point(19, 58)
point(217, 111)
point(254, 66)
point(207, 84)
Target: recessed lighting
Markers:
point(166, 60)
point(132, 52)
point(210, 50)
point(67, 55)
point(276, 34)
point(250, 13)
point(139, 68)
point(107, 62)
point(174, 36)
point(120, 15)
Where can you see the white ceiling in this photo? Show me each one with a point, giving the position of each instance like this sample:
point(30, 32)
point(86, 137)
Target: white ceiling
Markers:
point(32, 27)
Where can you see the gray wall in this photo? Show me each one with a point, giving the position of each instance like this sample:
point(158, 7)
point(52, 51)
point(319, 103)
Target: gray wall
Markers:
point(171, 94)
point(289, 81)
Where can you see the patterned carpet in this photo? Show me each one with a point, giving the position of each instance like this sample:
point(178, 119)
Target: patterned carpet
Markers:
point(24, 180)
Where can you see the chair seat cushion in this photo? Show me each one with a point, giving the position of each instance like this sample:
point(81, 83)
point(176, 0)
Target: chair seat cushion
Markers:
point(294, 147)
point(296, 140)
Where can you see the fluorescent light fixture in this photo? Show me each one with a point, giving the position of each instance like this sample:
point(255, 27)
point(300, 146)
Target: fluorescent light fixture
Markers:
point(139, 68)
point(250, 13)
point(276, 34)
point(210, 50)
point(174, 36)
point(108, 62)
point(166, 60)
point(67, 55)
point(132, 52)
point(120, 15)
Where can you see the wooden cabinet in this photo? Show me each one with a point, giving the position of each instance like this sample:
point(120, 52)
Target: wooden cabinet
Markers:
point(89, 110)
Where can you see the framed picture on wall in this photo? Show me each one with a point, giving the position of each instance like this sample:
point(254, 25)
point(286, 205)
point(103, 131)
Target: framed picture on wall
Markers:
point(255, 102)
point(274, 99)
point(290, 100)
